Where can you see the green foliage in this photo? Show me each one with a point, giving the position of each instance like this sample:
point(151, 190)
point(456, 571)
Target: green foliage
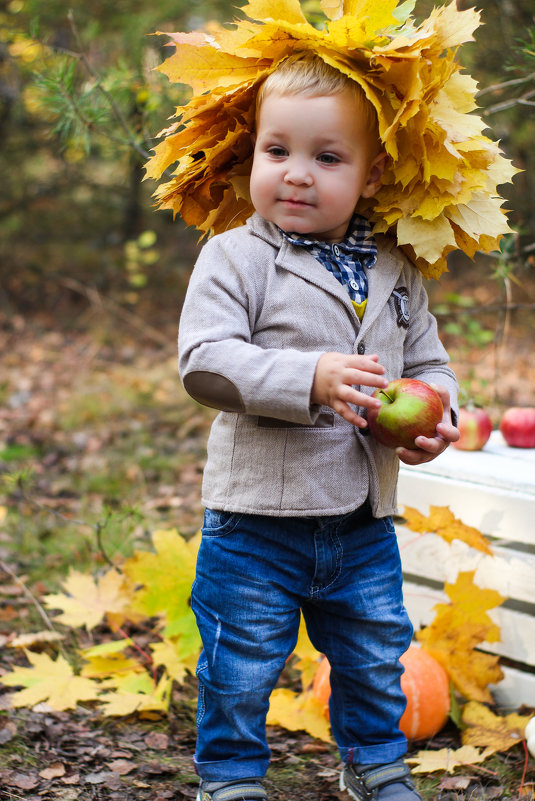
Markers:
point(463, 325)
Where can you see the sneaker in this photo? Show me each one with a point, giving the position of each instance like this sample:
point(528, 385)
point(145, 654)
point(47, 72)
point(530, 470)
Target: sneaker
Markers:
point(236, 791)
point(390, 782)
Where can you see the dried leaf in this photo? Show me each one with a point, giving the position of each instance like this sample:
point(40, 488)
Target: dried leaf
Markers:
point(22, 781)
point(50, 681)
point(439, 190)
point(53, 771)
point(88, 601)
point(442, 521)
point(35, 638)
point(446, 760)
point(494, 732)
point(309, 657)
point(176, 657)
point(457, 629)
point(136, 694)
point(298, 711)
point(122, 766)
point(157, 740)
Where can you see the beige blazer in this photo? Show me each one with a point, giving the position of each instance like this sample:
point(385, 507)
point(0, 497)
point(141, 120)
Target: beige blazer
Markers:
point(258, 314)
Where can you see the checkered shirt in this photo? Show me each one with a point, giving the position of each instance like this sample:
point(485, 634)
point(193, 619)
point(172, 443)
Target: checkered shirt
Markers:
point(348, 259)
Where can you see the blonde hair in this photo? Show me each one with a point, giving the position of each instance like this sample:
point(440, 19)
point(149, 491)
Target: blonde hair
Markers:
point(309, 75)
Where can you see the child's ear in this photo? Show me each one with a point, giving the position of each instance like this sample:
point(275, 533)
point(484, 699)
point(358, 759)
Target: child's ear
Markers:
point(375, 174)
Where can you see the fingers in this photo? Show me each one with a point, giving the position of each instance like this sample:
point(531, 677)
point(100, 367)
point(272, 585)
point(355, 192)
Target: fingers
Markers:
point(428, 449)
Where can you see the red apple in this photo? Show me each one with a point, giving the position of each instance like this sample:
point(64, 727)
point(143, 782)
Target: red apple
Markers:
point(475, 426)
point(518, 427)
point(410, 408)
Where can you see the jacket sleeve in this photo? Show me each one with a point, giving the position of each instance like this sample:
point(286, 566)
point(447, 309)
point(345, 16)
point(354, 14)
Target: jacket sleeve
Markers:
point(219, 363)
point(424, 354)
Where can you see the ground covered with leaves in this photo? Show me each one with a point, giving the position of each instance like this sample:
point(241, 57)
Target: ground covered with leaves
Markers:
point(99, 447)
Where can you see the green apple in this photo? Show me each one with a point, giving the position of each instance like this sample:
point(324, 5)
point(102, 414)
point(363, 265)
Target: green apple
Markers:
point(409, 408)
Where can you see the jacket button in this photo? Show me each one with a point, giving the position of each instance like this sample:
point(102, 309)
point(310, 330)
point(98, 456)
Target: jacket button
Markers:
point(361, 348)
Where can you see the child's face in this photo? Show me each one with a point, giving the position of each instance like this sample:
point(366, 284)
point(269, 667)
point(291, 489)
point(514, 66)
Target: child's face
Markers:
point(313, 159)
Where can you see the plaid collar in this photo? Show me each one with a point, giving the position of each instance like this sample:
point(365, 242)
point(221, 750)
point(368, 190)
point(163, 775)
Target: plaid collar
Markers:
point(359, 240)
point(348, 259)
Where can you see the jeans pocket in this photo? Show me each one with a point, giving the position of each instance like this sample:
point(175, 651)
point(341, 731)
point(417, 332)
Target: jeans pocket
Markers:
point(218, 523)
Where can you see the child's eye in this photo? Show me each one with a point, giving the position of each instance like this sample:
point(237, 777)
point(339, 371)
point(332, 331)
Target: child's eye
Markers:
point(328, 158)
point(277, 152)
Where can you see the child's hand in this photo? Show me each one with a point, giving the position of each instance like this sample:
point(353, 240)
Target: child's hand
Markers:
point(336, 375)
point(430, 447)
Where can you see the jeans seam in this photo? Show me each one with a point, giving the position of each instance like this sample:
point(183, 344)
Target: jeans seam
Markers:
point(335, 539)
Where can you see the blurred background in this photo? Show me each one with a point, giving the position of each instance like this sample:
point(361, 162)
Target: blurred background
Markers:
point(80, 105)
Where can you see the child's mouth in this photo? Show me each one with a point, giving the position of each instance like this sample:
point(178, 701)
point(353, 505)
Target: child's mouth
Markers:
point(295, 203)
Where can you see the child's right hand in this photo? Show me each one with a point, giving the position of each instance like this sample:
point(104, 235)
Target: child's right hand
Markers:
point(334, 380)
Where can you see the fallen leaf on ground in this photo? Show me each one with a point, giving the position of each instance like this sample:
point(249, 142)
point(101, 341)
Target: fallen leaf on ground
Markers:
point(7, 731)
point(86, 601)
point(165, 578)
point(53, 771)
point(22, 781)
point(495, 732)
point(157, 740)
point(36, 638)
point(122, 766)
point(50, 681)
point(295, 711)
point(446, 760)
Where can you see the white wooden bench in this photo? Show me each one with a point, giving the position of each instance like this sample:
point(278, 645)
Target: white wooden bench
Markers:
point(493, 490)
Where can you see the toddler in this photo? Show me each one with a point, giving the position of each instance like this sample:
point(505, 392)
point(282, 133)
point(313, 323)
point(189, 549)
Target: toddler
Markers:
point(289, 324)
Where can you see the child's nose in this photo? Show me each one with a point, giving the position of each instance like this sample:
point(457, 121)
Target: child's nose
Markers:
point(297, 172)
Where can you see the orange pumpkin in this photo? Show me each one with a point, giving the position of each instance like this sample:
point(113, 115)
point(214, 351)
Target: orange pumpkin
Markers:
point(321, 686)
point(425, 684)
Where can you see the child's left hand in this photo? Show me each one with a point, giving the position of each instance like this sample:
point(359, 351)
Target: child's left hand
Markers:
point(431, 447)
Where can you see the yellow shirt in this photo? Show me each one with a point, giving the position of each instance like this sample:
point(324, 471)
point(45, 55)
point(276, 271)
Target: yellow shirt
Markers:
point(360, 308)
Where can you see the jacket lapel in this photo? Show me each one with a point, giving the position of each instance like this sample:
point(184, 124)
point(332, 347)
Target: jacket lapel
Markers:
point(382, 277)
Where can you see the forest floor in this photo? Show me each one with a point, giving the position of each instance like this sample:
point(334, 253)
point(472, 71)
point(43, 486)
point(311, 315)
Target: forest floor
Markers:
point(99, 446)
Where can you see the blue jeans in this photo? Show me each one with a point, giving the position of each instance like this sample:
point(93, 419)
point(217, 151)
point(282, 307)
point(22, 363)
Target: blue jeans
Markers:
point(254, 575)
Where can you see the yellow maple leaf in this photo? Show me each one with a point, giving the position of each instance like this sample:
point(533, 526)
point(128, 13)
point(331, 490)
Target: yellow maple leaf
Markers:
point(165, 578)
point(204, 68)
point(433, 235)
point(108, 658)
point(176, 660)
point(298, 711)
point(442, 521)
point(493, 732)
point(456, 631)
point(308, 656)
point(100, 667)
point(446, 759)
point(136, 694)
point(86, 601)
point(289, 10)
point(51, 681)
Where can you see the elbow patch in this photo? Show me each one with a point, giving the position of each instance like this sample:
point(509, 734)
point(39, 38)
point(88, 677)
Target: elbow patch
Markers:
point(214, 390)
